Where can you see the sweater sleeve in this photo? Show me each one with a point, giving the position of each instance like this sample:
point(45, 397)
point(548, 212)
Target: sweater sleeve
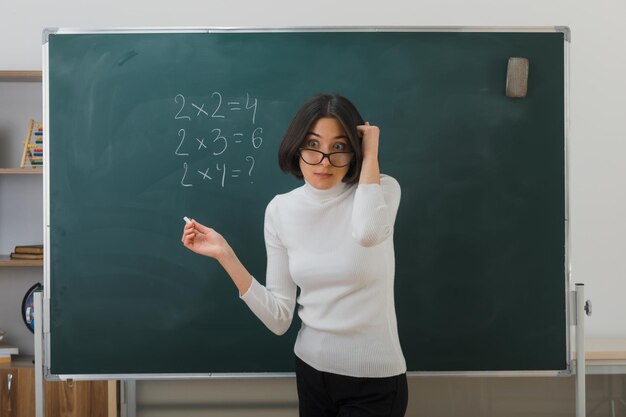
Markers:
point(273, 303)
point(374, 211)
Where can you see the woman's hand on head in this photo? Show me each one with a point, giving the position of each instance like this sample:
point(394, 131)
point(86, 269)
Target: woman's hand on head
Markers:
point(370, 135)
point(204, 240)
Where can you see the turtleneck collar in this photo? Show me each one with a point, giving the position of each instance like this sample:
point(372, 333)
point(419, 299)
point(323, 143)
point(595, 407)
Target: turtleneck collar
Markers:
point(325, 195)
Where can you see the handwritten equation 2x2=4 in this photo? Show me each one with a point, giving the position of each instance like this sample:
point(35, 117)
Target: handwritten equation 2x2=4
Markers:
point(219, 140)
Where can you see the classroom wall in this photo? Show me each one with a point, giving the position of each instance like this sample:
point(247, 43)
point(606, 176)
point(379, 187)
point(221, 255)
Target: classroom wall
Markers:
point(596, 146)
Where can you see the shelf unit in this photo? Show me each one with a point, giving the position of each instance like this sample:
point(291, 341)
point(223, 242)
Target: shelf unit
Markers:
point(20, 76)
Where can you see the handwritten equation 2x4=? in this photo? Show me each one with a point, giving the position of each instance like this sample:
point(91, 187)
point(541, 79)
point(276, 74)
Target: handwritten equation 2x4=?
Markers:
point(218, 140)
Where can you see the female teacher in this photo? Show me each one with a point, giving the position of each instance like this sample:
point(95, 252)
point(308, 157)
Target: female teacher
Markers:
point(333, 238)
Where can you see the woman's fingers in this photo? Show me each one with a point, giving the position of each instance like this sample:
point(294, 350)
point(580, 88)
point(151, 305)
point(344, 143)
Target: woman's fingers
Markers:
point(188, 238)
point(189, 233)
point(187, 229)
point(200, 227)
point(365, 127)
point(201, 239)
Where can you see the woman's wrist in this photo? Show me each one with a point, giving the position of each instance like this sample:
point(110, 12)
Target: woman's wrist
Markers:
point(235, 269)
point(226, 255)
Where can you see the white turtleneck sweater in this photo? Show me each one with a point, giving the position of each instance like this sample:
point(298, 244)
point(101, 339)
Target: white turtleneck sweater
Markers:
point(337, 246)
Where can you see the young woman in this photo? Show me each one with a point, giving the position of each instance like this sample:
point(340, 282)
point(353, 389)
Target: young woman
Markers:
point(333, 238)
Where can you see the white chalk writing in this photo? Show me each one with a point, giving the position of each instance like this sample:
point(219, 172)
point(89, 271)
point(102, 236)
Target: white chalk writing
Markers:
point(226, 137)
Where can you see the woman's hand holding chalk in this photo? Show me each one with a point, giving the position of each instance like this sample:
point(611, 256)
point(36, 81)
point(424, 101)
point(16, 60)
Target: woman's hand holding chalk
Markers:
point(204, 240)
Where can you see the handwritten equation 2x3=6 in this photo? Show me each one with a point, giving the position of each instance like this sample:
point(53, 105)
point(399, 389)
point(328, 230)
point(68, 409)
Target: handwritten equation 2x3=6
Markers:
point(217, 140)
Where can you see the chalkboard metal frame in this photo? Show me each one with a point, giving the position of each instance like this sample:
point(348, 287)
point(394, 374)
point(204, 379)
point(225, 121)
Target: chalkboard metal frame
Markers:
point(46, 117)
point(289, 29)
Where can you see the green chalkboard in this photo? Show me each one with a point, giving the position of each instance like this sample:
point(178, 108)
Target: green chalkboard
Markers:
point(145, 128)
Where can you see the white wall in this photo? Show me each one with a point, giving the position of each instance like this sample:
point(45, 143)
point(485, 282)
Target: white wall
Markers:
point(598, 87)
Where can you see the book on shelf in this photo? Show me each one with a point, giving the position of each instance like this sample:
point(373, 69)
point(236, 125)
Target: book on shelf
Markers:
point(30, 249)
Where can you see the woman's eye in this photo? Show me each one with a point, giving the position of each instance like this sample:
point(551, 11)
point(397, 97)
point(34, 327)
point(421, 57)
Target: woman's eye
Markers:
point(339, 147)
point(312, 144)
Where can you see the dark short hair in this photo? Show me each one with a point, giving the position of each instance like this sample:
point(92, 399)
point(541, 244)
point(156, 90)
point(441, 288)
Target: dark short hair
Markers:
point(317, 107)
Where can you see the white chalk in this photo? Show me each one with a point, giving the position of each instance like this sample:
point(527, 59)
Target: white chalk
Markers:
point(186, 219)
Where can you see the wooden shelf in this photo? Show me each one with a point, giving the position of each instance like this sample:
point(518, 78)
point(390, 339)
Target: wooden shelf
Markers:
point(20, 76)
point(27, 170)
point(5, 260)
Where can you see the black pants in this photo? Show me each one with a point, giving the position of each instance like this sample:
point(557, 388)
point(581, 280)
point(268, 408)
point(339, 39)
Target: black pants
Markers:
point(323, 394)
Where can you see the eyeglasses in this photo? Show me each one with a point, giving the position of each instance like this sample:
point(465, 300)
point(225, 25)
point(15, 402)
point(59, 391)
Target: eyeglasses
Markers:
point(336, 159)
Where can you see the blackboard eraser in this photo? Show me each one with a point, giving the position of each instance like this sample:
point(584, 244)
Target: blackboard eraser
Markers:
point(517, 77)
